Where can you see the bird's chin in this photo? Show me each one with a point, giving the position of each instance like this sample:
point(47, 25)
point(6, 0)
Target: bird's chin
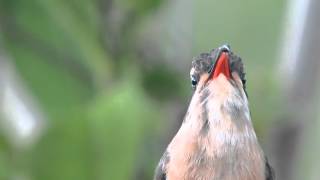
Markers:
point(222, 80)
point(225, 86)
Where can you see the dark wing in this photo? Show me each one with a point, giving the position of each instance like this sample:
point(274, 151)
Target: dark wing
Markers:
point(160, 173)
point(269, 171)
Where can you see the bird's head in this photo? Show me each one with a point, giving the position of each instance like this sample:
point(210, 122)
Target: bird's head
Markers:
point(221, 65)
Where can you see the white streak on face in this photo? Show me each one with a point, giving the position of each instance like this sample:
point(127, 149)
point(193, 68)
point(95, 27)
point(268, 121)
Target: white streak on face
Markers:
point(192, 72)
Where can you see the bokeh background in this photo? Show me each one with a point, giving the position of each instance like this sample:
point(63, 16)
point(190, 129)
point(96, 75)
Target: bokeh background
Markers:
point(96, 89)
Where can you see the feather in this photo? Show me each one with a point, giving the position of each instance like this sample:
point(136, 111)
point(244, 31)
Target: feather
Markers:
point(160, 173)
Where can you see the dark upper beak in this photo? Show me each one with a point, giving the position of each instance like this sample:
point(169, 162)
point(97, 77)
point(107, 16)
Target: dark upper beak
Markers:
point(221, 65)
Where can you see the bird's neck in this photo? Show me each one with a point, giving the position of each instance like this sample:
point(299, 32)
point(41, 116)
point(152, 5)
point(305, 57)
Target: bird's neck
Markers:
point(220, 103)
point(217, 133)
point(225, 119)
point(220, 111)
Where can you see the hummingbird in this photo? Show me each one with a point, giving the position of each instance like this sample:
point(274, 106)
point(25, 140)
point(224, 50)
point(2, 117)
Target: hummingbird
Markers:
point(216, 140)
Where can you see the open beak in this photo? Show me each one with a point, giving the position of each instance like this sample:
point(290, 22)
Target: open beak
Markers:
point(222, 65)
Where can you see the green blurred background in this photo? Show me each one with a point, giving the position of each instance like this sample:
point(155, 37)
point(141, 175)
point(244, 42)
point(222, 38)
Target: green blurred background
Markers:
point(96, 89)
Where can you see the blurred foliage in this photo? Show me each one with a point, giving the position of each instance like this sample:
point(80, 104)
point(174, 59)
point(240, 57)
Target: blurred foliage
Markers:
point(140, 7)
point(99, 142)
point(97, 121)
point(103, 101)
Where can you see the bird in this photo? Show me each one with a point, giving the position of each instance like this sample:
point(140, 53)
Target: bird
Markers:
point(216, 140)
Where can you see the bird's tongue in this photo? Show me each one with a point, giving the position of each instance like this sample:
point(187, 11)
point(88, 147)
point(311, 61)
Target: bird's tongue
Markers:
point(222, 66)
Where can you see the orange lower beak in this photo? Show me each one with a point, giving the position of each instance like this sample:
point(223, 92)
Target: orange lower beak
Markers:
point(222, 66)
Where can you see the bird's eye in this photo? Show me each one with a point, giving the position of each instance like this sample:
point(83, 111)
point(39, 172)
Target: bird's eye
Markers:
point(194, 78)
point(194, 82)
